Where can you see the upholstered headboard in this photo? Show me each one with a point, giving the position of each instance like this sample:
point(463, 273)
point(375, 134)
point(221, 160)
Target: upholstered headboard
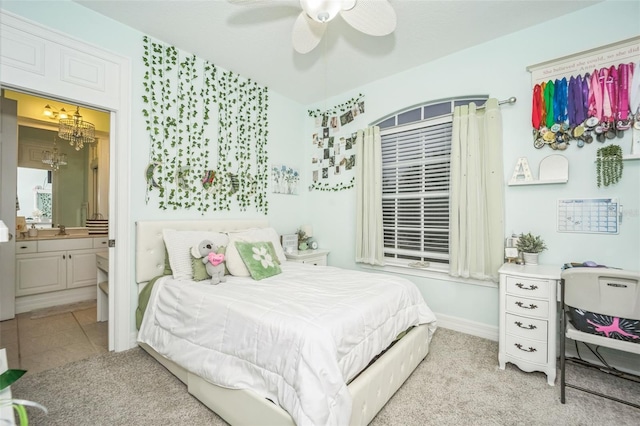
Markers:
point(150, 251)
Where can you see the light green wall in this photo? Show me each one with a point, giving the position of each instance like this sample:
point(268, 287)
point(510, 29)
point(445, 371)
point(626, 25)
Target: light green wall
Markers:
point(496, 68)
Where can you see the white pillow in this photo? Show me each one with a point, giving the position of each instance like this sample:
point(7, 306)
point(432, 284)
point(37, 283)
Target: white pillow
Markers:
point(235, 264)
point(179, 245)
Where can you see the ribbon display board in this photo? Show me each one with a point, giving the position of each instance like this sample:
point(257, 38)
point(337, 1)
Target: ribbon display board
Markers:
point(586, 96)
point(585, 62)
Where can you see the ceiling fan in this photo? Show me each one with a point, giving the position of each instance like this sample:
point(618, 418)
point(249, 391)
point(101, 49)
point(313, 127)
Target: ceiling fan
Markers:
point(372, 17)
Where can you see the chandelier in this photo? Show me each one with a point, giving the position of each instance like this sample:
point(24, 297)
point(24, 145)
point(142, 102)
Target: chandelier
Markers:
point(77, 131)
point(53, 158)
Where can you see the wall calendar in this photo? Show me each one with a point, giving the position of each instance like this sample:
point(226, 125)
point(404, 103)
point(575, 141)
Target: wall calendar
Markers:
point(589, 215)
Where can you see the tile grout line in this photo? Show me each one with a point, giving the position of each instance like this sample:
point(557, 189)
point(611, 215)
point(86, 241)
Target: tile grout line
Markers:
point(85, 333)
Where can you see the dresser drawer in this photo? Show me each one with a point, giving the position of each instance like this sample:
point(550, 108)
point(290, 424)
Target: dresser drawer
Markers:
point(23, 247)
point(526, 349)
point(528, 287)
point(530, 328)
point(525, 306)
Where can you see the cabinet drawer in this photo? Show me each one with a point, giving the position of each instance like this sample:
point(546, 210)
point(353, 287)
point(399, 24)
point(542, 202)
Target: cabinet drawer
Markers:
point(26, 247)
point(101, 242)
point(530, 328)
point(102, 263)
point(525, 306)
point(527, 349)
point(318, 261)
point(527, 287)
point(65, 244)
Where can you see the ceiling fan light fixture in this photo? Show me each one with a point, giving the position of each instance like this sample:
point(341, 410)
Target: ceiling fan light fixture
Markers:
point(321, 10)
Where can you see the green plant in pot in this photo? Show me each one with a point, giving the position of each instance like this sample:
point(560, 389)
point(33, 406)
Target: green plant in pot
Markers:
point(531, 246)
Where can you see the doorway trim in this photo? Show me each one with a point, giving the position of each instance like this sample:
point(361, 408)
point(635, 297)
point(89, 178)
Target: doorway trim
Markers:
point(72, 70)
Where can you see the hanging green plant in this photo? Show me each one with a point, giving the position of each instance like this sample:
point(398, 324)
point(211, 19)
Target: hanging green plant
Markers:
point(344, 107)
point(198, 120)
point(340, 186)
point(609, 165)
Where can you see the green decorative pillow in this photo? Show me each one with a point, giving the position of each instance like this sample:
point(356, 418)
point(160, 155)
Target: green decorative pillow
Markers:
point(259, 259)
point(199, 269)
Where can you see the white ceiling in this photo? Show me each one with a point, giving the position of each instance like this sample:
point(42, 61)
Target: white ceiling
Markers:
point(255, 40)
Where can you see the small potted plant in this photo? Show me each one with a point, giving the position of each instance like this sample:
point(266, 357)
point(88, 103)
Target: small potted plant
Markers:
point(531, 246)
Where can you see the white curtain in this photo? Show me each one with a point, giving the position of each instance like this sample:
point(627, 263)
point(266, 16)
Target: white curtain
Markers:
point(369, 237)
point(476, 215)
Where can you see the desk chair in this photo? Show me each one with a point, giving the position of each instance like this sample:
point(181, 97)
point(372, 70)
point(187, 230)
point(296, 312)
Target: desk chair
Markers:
point(597, 302)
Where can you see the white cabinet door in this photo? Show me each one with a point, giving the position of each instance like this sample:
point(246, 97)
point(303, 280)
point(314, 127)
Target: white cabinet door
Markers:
point(81, 268)
point(41, 272)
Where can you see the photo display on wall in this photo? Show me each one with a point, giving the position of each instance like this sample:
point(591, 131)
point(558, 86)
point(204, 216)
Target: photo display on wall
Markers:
point(333, 157)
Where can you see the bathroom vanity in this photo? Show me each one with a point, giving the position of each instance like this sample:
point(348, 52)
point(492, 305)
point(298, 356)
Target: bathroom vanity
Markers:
point(53, 270)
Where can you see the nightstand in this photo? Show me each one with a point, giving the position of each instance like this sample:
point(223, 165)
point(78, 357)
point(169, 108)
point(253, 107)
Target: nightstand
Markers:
point(528, 317)
point(312, 257)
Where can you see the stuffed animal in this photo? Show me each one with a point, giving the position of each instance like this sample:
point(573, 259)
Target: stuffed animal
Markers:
point(213, 261)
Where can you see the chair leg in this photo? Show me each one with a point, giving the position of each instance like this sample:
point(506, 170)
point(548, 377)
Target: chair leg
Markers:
point(562, 356)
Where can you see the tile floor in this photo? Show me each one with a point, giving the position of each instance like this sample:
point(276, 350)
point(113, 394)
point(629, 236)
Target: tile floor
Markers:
point(40, 344)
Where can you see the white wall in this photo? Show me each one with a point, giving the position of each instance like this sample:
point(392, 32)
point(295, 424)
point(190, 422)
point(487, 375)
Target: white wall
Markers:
point(498, 69)
point(286, 119)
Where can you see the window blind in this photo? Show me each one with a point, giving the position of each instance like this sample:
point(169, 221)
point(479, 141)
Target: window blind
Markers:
point(415, 190)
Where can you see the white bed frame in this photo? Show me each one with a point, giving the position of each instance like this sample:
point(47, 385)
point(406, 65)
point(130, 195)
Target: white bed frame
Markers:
point(370, 391)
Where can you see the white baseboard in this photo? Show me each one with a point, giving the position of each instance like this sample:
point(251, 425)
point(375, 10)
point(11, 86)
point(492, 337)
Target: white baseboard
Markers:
point(468, 327)
point(54, 298)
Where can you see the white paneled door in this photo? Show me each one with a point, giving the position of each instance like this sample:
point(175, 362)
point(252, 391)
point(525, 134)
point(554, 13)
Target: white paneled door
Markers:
point(8, 163)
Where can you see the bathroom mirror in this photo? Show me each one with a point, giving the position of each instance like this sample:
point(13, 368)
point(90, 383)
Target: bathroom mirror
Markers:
point(49, 198)
point(77, 190)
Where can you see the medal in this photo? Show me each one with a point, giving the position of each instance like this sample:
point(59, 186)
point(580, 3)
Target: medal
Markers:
point(555, 128)
point(611, 131)
point(588, 138)
point(578, 131)
point(562, 146)
point(591, 122)
point(549, 136)
point(553, 145)
point(538, 143)
point(580, 143)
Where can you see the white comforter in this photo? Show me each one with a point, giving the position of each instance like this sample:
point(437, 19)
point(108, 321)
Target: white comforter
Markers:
point(296, 338)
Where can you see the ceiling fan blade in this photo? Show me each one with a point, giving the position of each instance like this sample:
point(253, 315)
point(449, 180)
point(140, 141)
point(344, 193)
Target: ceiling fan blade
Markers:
point(373, 17)
point(306, 33)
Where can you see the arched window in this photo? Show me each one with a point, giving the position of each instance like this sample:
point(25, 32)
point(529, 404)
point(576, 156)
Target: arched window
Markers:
point(416, 148)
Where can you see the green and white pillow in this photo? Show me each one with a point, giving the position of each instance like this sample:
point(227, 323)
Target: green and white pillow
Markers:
point(260, 258)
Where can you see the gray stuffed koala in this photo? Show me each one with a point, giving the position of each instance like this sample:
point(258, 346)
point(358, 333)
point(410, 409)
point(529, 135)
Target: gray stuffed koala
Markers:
point(214, 262)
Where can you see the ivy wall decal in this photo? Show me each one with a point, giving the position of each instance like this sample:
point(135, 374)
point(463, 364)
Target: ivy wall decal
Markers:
point(208, 133)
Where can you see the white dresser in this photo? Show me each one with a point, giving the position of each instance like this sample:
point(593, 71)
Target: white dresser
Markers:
point(529, 317)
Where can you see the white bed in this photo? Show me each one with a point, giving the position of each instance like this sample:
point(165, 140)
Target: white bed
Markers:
point(309, 381)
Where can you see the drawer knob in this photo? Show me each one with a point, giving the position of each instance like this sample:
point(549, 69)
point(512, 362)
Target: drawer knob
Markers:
point(531, 287)
point(526, 327)
point(530, 349)
point(531, 305)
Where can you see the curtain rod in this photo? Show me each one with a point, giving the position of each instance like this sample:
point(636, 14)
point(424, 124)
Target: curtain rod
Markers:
point(511, 100)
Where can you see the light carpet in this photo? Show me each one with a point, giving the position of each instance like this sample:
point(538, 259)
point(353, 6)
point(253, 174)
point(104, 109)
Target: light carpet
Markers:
point(459, 383)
